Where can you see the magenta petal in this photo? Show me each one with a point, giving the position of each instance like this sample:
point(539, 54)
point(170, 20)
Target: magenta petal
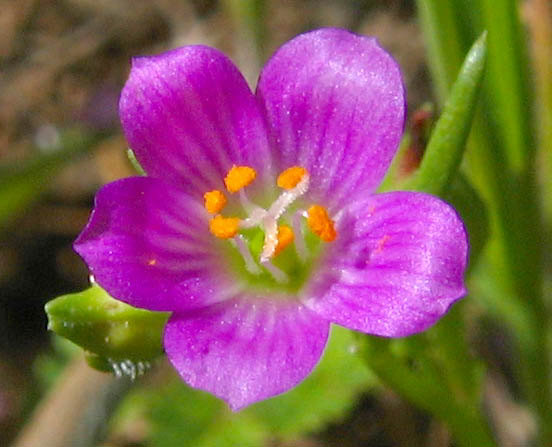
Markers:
point(189, 116)
point(246, 349)
point(148, 244)
point(398, 266)
point(335, 104)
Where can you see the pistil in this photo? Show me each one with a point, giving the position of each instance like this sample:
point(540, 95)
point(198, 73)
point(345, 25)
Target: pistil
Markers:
point(295, 183)
point(270, 226)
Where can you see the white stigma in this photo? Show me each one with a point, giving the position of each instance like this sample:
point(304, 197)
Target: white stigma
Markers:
point(268, 219)
point(270, 226)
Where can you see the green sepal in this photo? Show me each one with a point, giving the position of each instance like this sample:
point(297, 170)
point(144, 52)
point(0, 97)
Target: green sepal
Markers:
point(448, 140)
point(98, 362)
point(110, 330)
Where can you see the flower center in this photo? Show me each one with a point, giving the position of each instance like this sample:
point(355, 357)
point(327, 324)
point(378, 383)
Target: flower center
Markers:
point(272, 222)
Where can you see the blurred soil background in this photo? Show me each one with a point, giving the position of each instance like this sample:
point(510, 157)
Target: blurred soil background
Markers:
point(62, 66)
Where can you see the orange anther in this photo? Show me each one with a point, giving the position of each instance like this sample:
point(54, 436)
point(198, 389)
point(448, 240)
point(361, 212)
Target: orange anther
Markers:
point(289, 178)
point(214, 201)
point(285, 237)
point(238, 177)
point(224, 227)
point(321, 224)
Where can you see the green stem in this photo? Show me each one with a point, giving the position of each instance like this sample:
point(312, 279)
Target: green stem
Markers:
point(423, 389)
point(508, 90)
point(535, 373)
point(444, 42)
point(249, 16)
point(541, 31)
point(502, 166)
point(516, 258)
point(448, 140)
point(460, 369)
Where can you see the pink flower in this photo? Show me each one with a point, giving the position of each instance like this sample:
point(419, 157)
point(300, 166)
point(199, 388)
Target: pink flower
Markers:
point(258, 225)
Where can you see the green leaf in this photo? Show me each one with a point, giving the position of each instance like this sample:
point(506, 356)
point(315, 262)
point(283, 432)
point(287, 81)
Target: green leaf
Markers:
point(448, 140)
point(110, 330)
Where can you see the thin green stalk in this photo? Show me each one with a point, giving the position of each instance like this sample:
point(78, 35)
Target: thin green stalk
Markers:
point(446, 380)
point(465, 421)
point(249, 16)
point(461, 371)
point(444, 42)
point(448, 140)
point(502, 166)
point(539, 24)
point(516, 257)
point(508, 90)
point(515, 254)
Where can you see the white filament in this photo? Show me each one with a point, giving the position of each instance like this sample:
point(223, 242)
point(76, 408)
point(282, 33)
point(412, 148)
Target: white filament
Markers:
point(243, 249)
point(278, 274)
point(268, 219)
point(300, 246)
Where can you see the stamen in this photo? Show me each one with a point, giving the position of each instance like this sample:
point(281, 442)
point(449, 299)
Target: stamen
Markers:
point(289, 178)
point(224, 227)
point(250, 264)
point(285, 237)
point(300, 246)
point(214, 201)
point(295, 182)
point(255, 213)
point(321, 224)
point(278, 274)
point(288, 197)
point(239, 177)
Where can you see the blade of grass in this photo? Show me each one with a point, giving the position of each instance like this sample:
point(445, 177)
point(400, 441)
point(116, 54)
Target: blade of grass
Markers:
point(445, 42)
point(448, 139)
point(423, 387)
point(508, 91)
point(540, 13)
point(502, 166)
